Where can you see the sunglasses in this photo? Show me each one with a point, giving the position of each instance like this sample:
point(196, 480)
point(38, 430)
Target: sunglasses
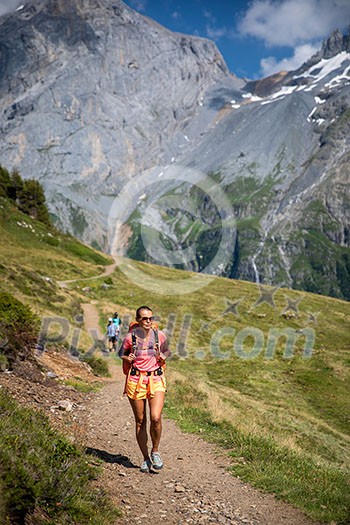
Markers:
point(147, 318)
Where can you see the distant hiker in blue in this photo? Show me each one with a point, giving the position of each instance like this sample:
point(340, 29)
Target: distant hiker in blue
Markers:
point(112, 335)
point(117, 321)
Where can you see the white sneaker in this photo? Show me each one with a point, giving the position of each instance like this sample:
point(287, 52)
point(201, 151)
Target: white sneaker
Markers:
point(146, 465)
point(156, 460)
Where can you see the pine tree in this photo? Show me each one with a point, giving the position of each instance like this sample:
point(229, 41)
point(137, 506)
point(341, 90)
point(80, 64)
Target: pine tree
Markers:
point(5, 182)
point(28, 195)
point(31, 200)
point(16, 186)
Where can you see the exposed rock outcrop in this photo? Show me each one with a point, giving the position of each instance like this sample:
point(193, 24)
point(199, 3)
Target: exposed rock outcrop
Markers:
point(91, 93)
point(119, 117)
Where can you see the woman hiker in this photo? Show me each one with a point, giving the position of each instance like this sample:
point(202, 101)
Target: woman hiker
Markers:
point(145, 350)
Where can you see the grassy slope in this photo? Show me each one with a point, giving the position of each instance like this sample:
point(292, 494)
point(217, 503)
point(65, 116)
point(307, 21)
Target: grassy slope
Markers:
point(34, 258)
point(48, 479)
point(285, 421)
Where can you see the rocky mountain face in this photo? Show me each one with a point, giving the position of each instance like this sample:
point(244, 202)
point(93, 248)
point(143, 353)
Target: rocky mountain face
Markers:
point(301, 238)
point(147, 146)
point(92, 93)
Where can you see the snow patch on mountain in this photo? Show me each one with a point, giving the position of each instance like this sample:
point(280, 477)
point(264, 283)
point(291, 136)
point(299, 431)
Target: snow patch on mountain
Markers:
point(336, 80)
point(325, 67)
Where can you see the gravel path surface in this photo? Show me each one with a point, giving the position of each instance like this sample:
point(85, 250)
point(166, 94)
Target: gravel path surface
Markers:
point(193, 487)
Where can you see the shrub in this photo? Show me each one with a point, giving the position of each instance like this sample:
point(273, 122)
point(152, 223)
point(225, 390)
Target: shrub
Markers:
point(98, 365)
point(2, 504)
point(44, 477)
point(52, 241)
point(19, 328)
point(3, 365)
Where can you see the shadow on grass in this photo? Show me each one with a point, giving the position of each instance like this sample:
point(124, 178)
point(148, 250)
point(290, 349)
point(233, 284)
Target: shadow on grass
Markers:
point(111, 458)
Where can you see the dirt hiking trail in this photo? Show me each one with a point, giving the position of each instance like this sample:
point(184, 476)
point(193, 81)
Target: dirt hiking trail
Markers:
point(107, 271)
point(193, 487)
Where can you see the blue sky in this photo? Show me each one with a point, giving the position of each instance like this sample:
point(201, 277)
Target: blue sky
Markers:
point(256, 37)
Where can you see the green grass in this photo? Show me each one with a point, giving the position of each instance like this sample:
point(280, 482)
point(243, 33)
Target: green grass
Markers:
point(44, 478)
point(32, 244)
point(82, 386)
point(250, 190)
point(83, 252)
point(34, 257)
point(292, 411)
point(318, 487)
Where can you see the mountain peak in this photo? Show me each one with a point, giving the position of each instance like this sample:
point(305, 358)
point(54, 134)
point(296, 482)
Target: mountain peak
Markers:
point(335, 43)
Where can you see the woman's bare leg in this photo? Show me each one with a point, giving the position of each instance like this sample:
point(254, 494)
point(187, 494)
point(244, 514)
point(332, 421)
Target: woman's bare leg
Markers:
point(156, 406)
point(139, 409)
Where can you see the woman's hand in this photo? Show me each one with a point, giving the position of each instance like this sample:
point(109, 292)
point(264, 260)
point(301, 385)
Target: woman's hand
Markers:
point(131, 357)
point(161, 360)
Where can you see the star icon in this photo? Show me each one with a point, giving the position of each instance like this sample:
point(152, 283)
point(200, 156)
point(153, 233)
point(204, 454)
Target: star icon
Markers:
point(231, 307)
point(313, 317)
point(266, 296)
point(204, 327)
point(292, 305)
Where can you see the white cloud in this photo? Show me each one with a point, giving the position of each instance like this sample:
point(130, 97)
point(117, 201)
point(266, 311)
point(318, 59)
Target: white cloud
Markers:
point(6, 6)
point(139, 5)
point(209, 15)
point(302, 53)
point(216, 32)
point(292, 22)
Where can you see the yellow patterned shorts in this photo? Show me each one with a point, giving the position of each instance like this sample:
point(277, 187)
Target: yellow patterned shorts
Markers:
point(145, 386)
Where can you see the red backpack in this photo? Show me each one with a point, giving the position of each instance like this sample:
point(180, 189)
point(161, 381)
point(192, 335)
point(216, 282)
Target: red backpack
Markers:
point(132, 327)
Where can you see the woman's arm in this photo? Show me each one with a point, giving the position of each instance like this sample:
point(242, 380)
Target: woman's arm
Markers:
point(125, 351)
point(163, 346)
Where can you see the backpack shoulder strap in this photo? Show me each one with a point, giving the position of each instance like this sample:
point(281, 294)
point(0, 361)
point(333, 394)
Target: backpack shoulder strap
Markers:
point(134, 342)
point(156, 339)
